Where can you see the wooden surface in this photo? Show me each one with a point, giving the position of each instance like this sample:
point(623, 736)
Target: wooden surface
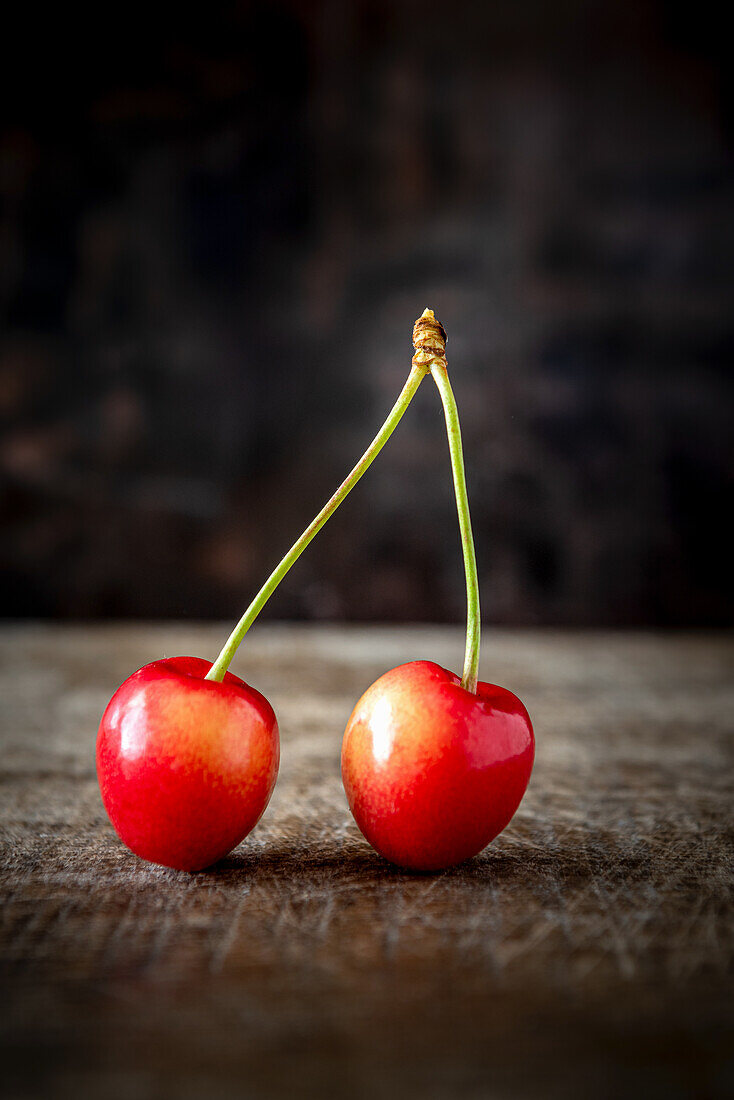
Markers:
point(588, 952)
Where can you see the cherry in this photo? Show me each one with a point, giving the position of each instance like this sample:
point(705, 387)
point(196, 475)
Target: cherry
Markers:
point(434, 767)
point(186, 765)
point(434, 772)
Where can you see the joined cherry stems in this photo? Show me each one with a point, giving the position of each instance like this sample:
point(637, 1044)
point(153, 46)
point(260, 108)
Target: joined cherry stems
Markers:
point(429, 340)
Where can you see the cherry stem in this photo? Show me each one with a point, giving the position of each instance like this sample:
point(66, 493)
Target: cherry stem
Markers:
point(222, 663)
point(453, 430)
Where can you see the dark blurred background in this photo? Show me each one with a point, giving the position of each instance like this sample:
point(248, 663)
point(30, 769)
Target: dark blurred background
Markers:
point(218, 225)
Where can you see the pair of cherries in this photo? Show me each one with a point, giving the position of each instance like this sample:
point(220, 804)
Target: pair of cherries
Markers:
point(434, 765)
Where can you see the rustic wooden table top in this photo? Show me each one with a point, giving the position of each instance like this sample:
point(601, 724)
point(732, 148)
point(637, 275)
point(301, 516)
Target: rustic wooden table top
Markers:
point(588, 952)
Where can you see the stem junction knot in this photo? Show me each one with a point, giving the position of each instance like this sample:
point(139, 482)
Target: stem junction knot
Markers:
point(429, 339)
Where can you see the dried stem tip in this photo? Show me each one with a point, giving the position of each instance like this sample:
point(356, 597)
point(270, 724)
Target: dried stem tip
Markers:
point(429, 334)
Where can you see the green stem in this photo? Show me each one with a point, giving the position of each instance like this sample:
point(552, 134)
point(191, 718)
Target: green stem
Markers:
point(220, 666)
point(453, 430)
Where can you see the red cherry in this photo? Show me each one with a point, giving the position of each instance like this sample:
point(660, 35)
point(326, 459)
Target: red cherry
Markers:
point(186, 765)
point(433, 772)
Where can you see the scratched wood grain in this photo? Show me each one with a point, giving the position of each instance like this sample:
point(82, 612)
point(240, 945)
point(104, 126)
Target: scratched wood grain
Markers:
point(588, 952)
